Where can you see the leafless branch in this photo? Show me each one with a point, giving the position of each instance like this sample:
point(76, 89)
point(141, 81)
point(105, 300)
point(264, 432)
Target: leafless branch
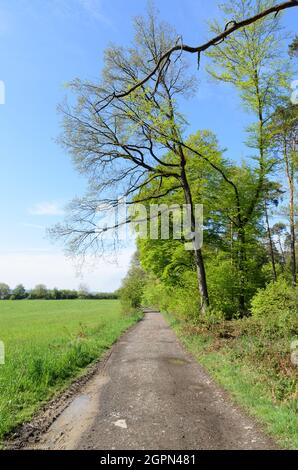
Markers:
point(163, 61)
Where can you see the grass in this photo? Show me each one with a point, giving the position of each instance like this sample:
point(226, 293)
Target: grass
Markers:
point(48, 343)
point(256, 371)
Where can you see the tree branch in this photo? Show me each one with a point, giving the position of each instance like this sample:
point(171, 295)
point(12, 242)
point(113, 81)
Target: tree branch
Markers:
point(230, 28)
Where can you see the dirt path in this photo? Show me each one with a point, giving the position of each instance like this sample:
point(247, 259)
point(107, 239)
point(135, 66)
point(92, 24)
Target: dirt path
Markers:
point(152, 395)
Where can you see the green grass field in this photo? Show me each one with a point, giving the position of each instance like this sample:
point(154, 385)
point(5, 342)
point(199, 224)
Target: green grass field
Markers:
point(47, 343)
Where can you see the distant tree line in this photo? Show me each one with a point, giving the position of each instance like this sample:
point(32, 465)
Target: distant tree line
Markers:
point(42, 292)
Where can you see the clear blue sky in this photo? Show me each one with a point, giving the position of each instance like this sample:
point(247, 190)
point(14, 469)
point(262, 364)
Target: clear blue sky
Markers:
point(44, 44)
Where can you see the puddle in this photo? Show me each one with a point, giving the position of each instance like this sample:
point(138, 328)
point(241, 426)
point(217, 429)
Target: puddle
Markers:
point(77, 407)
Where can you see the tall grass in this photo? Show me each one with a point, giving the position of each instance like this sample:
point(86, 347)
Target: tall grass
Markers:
point(46, 344)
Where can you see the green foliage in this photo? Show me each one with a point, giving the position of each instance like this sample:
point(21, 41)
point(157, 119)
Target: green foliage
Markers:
point(223, 284)
point(251, 58)
point(4, 291)
point(19, 293)
point(155, 293)
point(66, 294)
point(106, 295)
point(179, 299)
point(39, 292)
point(131, 290)
point(293, 47)
point(277, 297)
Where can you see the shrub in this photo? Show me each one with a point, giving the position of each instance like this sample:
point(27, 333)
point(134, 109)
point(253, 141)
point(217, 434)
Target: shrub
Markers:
point(222, 284)
point(277, 297)
point(213, 317)
point(275, 311)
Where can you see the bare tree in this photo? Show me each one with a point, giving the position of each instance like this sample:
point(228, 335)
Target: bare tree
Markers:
point(121, 146)
point(157, 69)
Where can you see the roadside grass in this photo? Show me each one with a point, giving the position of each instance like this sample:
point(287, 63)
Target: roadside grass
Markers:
point(47, 344)
point(256, 372)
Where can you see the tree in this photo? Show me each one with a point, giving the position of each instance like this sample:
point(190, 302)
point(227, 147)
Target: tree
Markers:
point(56, 294)
point(131, 290)
point(121, 126)
point(118, 146)
point(251, 61)
point(19, 292)
point(83, 291)
point(272, 194)
point(225, 194)
point(40, 291)
point(68, 294)
point(284, 126)
point(230, 28)
point(4, 291)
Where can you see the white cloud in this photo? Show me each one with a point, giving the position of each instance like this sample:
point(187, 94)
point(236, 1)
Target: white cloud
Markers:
point(54, 270)
point(46, 208)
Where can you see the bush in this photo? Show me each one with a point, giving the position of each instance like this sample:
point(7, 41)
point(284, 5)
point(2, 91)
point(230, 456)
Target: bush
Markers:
point(275, 311)
point(277, 297)
point(222, 283)
point(213, 317)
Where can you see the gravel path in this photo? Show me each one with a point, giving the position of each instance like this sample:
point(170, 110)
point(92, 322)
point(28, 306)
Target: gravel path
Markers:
point(151, 394)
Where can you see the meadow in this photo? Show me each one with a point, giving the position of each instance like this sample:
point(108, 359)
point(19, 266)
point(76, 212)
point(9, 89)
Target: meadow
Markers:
point(47, 344)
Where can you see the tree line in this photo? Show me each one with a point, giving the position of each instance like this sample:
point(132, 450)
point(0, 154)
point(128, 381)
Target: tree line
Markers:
point(40, 291)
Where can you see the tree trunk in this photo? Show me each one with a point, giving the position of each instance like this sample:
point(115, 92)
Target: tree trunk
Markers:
point(198, 256)
point(202, 281)
point(271, 250)
point(242, 275)
point(293, 238)
point(290, 176)
point(282, 254)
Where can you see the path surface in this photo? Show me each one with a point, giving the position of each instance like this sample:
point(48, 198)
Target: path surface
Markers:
point(152, 395)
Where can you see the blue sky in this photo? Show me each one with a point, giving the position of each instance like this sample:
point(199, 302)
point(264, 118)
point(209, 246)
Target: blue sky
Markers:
point(43, 45)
